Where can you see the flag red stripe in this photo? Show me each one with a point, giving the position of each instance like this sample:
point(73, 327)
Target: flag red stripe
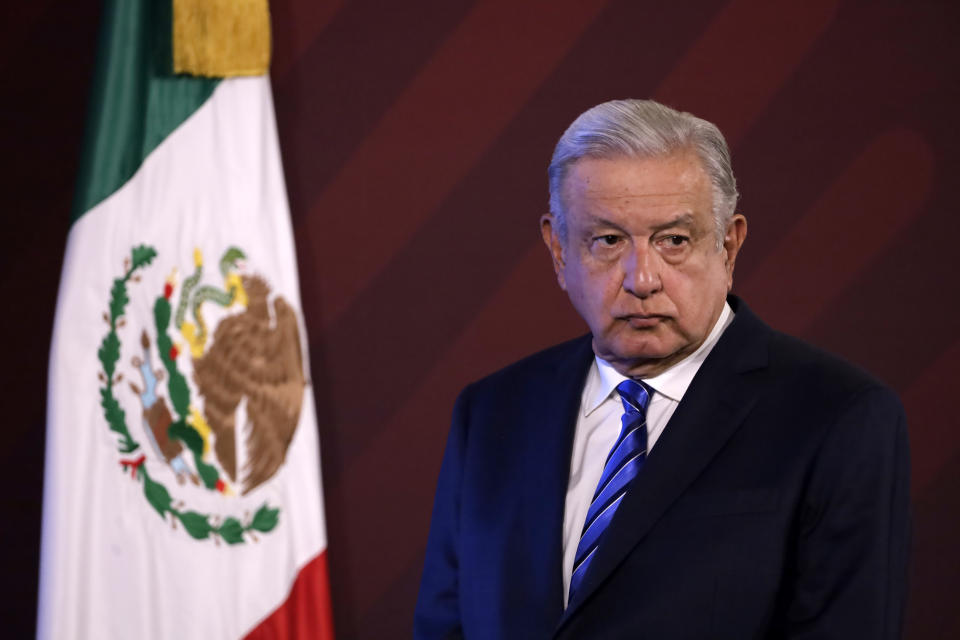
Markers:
point(306, 612)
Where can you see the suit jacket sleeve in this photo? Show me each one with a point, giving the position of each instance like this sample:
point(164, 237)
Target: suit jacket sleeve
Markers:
point(438, 604)
point(853, 539)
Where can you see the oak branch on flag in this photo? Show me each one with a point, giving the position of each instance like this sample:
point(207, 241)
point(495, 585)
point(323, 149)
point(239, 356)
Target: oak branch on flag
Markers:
point(182, 491)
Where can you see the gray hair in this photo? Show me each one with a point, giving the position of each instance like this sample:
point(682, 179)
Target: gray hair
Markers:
point(644, 129)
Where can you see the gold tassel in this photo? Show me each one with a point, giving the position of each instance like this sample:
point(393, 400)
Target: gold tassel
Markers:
point(221, 38)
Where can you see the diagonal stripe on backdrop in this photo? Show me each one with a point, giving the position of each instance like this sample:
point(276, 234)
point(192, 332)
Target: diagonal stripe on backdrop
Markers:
point(767, 37)
point(932, 431)
point(832, 241)
point(404, 165)
point(301, 31)
point(348, 77)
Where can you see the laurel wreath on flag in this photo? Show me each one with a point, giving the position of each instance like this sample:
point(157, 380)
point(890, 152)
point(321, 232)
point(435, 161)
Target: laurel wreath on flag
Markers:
point(198, 525)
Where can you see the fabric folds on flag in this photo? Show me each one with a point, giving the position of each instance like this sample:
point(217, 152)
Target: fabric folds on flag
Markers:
point(182, 494)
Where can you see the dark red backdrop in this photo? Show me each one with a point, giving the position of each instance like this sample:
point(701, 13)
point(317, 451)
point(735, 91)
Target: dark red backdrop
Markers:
point(416, 137)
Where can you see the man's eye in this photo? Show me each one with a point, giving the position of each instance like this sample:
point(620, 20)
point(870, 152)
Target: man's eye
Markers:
point(676, 240)
point(608, 240)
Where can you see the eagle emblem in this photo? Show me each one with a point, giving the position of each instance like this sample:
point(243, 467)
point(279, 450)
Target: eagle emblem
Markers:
point(255, 357)
point(218, 378)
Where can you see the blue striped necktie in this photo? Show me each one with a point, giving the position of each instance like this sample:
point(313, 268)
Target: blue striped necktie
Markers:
point(623, 463)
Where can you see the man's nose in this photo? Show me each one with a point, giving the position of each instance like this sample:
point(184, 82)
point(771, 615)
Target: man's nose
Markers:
point(641, 272)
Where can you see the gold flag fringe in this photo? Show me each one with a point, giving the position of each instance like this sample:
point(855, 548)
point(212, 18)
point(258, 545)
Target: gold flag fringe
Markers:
point(221, 38)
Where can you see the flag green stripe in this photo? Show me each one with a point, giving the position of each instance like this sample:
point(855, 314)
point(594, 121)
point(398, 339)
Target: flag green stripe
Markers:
point(135, 102)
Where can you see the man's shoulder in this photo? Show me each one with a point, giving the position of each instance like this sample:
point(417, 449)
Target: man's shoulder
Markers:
point(571, 357)
point(800, 362)
point(798, 369)
point(795, 361)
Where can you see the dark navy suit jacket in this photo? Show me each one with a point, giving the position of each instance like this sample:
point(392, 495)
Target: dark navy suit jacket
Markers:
point(775, 505)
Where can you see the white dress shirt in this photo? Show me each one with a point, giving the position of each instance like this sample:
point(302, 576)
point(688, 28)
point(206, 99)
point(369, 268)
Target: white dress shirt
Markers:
point(598, 426)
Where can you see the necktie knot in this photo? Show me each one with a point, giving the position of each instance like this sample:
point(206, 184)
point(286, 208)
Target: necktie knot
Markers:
point(635, 396)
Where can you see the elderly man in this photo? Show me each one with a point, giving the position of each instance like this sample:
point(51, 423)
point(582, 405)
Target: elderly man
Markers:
point(684, 471)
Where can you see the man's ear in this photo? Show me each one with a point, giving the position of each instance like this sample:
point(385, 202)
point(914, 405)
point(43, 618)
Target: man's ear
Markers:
point(550, 232)
point(732, 241)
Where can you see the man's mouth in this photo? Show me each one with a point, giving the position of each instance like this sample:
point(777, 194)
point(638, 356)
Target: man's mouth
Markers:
point(642, 321)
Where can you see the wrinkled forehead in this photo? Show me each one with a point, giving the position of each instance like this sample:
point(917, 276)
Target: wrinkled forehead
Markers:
point(669, 180)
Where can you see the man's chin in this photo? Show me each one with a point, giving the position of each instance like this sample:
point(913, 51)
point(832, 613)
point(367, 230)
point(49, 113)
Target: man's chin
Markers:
point(633, 360)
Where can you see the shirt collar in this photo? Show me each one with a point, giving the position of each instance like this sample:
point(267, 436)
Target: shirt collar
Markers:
point(672, 383)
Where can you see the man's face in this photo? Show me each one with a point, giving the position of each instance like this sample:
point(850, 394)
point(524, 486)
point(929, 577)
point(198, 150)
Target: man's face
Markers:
point(640, 260)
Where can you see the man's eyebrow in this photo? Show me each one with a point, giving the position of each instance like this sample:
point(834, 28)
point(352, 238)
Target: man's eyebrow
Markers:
point(603, 222)
point(684, 220)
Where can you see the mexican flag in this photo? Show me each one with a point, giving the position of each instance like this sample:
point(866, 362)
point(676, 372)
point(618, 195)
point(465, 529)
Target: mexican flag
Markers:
point(182, 493)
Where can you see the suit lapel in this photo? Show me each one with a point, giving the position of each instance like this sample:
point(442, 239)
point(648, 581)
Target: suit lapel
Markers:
point(718, 400)
point(548, 443)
